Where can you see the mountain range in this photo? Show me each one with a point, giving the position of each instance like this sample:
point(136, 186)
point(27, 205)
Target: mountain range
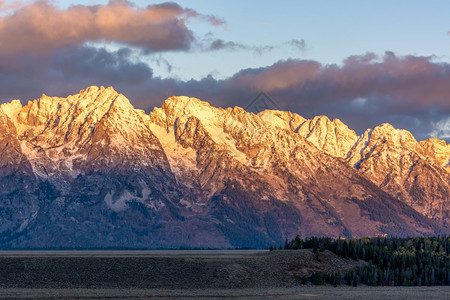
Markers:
point(91, 171)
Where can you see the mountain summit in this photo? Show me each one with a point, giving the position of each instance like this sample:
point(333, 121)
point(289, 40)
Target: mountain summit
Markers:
point(89, 170)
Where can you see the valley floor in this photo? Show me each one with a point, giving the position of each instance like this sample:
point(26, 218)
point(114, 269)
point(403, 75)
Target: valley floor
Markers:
point(304, 292)
point(184, 275)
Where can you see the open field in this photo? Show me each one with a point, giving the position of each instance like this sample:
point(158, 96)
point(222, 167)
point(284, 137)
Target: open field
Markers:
point(303, 292)
point(244, 274)
point(164, 269)
point(130, 253)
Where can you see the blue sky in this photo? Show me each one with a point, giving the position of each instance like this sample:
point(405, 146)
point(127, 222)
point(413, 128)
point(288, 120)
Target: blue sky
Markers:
point(332, 31)
point(365, 62)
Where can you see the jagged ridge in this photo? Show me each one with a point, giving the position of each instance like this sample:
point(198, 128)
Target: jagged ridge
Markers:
point(100, 173)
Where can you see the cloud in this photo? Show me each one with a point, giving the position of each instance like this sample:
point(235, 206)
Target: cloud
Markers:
point(44, 28)
point(297, 44)
point(41, 27)
point(160, 61)
point(7, 6)
point(410, 92)
point(219, 44)
point(233, 46)
point(441, 129)
point(73, 68)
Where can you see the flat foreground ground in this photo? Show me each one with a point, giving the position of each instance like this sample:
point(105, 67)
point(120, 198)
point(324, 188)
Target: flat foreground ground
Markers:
point(164, 269)
point(304, 292)
point(184, 274)
point(130, 253)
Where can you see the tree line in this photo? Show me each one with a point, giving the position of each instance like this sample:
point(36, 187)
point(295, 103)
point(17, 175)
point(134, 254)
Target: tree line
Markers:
point(419, 261)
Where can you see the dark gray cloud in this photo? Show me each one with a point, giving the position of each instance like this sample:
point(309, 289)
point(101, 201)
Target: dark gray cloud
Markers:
point(26, 76)
point(409, 92)
point(297, 44)
point(233, 46)
point(219, 44)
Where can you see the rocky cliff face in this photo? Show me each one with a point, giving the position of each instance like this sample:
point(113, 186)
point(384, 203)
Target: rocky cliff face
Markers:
point(89, 170)
point(413, 172)
point(417, 173)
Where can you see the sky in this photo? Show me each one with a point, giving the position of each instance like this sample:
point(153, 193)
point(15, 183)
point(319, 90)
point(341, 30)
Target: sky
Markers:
point(364, 62)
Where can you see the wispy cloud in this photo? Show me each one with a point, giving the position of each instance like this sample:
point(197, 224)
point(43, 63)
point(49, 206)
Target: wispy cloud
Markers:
point(441, 129)
point(297, 44)
point(219, 44)
point(233, 46)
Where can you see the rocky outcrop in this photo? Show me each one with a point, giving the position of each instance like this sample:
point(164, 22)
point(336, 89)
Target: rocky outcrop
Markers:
point(410, 171)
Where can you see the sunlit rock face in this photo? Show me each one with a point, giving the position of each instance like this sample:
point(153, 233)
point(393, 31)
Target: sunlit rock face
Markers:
point(90, 170)
point(416, 173)
point(413, 172)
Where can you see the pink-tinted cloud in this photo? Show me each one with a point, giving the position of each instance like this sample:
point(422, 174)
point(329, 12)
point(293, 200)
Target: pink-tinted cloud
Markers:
point(409, 92)
point(41, 27)
point(8, 5)
point(409, 83)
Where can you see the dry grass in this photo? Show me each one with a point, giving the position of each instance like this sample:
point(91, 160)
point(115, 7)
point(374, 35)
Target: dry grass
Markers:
point(304, 292)
point(184, 275)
